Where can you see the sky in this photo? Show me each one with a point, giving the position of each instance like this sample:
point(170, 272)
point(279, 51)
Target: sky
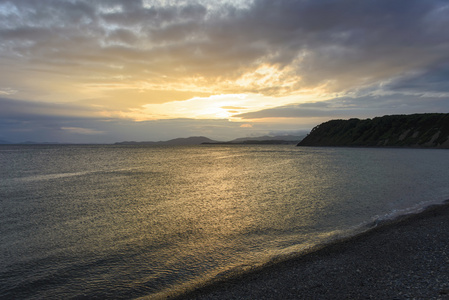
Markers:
point(103, 71)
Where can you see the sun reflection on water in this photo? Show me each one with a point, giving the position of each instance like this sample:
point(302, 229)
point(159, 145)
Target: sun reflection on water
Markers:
point(156, 218)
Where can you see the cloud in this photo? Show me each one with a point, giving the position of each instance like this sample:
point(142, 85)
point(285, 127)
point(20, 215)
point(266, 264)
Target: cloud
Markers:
point(7, 91)
point(34, 121)
point(432, 80)
point(89, 65)
point(217, 106)
point(355, 107)
point(65, 123)
point(268, 47)
point(80, 130)
point(12, 108)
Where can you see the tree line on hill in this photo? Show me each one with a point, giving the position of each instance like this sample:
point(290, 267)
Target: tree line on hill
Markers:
point(429, 130)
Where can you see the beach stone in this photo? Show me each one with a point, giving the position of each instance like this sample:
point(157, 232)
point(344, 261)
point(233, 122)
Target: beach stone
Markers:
point(407, 259)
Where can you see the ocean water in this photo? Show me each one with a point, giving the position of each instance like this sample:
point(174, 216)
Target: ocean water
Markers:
point(123, 222)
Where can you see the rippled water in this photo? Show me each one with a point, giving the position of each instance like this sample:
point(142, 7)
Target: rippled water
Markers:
point(131, 221)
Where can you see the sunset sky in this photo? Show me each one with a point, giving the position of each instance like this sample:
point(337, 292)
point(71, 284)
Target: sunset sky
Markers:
point(147, 70)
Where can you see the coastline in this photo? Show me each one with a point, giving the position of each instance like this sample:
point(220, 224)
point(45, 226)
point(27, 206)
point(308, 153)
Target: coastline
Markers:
point(400, 259)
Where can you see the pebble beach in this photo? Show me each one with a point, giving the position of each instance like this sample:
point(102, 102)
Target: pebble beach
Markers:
point(407, 258)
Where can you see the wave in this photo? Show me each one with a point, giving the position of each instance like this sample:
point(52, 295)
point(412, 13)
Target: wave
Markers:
point(399, 214)
point(209, 281)
point(52, 176)
point(44, 177)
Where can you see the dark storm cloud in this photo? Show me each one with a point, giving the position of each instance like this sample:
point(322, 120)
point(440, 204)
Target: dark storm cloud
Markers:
point(431, 80)
point(390, 56)
point(340, 44)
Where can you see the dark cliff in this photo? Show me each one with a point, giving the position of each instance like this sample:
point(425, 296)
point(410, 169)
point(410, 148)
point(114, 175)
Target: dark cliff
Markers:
point(417, 130)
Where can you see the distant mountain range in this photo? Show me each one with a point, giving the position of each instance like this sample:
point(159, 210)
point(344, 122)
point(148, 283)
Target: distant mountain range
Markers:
point(198, 140)
point(417, 131)
point(193, 140)
point(266, 139)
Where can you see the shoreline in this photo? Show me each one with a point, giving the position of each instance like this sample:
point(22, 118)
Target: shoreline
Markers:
point(404, 258)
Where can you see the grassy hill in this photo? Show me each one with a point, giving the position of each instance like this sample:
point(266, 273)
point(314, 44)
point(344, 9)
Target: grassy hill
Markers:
point(417, 130)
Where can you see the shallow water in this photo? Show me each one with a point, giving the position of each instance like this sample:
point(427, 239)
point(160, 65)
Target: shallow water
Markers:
point(129, 221)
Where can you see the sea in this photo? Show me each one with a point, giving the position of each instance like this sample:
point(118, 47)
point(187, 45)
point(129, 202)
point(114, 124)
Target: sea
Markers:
point(137, 221)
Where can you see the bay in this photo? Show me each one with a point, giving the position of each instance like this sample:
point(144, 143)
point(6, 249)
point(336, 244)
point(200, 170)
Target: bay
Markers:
point(117, 221)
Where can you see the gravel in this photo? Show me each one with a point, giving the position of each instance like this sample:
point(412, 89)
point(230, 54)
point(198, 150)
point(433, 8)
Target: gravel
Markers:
point(404, 259)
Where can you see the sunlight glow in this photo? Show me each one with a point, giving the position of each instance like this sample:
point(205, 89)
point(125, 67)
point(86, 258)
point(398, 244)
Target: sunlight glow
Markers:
point(214, 107)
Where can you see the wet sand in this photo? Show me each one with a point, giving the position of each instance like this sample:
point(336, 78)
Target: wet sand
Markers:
point(404, 259)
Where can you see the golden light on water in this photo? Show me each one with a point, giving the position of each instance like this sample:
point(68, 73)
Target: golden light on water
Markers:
point(157, 218)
